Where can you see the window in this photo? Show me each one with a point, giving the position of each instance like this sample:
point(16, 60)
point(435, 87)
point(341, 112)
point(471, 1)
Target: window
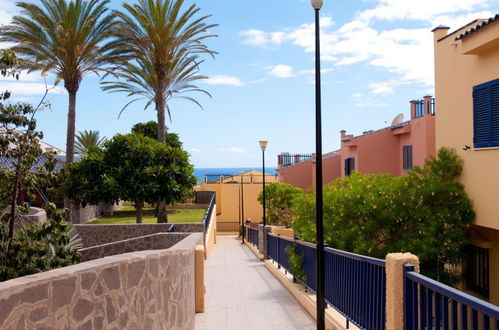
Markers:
point(407, 157)
point(486, 114)
point(477, 274)
point(349, 166)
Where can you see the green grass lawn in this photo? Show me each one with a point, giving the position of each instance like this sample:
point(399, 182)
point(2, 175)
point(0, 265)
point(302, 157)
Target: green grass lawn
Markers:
point(124, 217)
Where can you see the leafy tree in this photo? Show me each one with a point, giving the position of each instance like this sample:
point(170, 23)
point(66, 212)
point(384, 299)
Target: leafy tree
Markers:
point(34, 247)
point(65, 38)
point(150, 129)
point(160, 46)
point(86, 140)
point(278, 201)
point(134, 168)
point(20, 153)
point(425, 212)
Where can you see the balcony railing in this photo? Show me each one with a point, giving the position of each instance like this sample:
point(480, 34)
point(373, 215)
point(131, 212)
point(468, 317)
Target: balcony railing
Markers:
point(355, 284)
point(287, 159)
point(253, 236)
point(432, 305)
point(424, 107)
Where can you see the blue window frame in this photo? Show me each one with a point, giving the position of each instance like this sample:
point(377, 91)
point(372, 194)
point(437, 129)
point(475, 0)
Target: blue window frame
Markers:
point(486, 114)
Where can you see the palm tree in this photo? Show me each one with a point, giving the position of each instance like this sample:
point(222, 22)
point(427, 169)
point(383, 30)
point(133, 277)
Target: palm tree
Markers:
point(159, 46)
point(65, 38)
point(86, 140)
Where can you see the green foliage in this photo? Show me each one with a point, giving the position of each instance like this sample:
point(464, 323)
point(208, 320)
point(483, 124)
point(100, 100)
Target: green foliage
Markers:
point(25, 166)
point(279, 199)
point(296, 263)
point(165, 42)
point(66, 38)
point(150, 129)
point(38, 247)
point(424, 212)
point(131, 167)
point(86, 140)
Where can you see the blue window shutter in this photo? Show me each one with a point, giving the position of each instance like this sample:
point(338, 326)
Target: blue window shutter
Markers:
point(481, 117)
point(494, 109)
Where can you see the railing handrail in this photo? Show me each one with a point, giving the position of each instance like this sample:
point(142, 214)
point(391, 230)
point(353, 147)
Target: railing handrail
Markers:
point(209, 211)
point(358, 257)
point(351, 255)
point(460, 296)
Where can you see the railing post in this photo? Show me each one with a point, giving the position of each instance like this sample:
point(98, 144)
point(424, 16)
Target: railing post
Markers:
point(277, 251)
point(409, 307)
point(395, 282)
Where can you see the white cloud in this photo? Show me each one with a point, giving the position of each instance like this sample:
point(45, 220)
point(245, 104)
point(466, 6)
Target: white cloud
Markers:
point(262, 39)
point(406, 53)
point(281, 71)
point(27, 88)
point(224, 80)
point(7, 10)
point(238, 150)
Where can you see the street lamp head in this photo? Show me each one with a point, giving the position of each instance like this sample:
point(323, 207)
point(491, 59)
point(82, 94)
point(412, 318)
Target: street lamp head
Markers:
point(263, 145)
point(317, 4)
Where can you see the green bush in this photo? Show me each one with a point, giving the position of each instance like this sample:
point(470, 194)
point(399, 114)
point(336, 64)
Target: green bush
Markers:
point(424, 212)
point(296, 263)
point(279, 198)
point(38, 247)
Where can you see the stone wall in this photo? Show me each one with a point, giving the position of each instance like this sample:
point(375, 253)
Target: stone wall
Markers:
point(93, 235)
point(150, 242)
point(139, 290)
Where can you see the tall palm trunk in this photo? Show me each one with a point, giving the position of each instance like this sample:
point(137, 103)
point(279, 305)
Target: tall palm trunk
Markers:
point(160, 110)
point(72, 88)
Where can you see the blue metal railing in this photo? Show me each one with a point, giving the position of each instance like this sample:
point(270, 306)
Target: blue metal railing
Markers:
point(432, 305)
point(208, 214)
point(253, 236)
point(355, 284)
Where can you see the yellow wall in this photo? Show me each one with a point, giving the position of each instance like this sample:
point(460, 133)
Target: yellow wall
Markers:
point(460, 65)
point(455, 76)
point(229, 196)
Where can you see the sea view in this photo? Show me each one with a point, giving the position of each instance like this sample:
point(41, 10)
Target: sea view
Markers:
point(201, 172)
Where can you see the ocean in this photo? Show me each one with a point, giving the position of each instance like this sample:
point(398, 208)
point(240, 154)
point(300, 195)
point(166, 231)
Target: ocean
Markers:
point(201, 172)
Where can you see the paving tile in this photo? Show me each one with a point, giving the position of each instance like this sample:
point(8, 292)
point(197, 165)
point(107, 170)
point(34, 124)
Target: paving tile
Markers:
point(241, 294)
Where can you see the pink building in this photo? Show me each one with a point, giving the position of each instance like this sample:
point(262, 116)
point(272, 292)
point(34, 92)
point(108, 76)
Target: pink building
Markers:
point(394, 149)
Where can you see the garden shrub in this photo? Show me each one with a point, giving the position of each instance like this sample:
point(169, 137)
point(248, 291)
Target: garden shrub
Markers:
point(296, 263)
point(424, 212)
point(39, 247)
point(278, 201)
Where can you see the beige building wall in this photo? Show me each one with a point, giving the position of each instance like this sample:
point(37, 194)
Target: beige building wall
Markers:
point(460, 65)
point(228, 198)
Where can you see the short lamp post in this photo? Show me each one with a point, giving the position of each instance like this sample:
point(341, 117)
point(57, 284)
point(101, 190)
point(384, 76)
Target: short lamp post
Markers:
point(319, 225)
point(263, 146)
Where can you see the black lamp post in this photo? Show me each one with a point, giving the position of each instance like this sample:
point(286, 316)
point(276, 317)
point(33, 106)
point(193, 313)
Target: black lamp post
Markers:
point(319, 226)
point(263, 146)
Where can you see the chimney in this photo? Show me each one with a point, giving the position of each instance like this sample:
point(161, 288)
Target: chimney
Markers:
point(343, 134)
point(427, 104)
point(439, 32)
point(413, 109)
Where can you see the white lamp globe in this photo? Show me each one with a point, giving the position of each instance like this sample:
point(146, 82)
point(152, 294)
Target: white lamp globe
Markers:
point(317, 4)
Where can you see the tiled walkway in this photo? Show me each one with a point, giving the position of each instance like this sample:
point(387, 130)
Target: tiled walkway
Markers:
point(242, 294)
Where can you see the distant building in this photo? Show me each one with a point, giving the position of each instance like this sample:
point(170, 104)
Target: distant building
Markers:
point(236, 197)
point(467, 90)
point(394, 150)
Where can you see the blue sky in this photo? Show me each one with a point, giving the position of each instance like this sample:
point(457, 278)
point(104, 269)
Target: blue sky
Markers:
point(377, 55)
